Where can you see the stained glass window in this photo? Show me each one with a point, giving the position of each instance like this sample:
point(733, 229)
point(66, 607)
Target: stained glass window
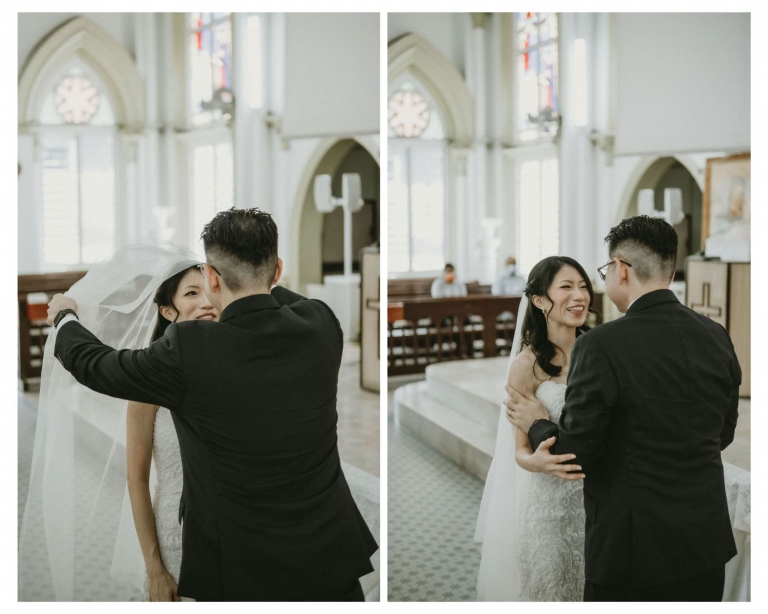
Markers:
point(408, 114)
point(412, 112)
point(76, 98)
point(417, 175)
point(537, 73)
point(210, 67)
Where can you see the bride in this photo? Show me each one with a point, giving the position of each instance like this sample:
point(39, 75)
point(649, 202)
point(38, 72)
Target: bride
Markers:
point(532, 520)
point(87, 533)
point(152, 435)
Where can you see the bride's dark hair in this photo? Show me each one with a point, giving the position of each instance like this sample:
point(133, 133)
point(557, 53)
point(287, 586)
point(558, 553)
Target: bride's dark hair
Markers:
point(164, 298)
point(534, 331)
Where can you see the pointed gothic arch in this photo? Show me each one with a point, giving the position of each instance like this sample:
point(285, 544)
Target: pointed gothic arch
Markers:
point(83, 39)
point(325, 159)
point(445, 83)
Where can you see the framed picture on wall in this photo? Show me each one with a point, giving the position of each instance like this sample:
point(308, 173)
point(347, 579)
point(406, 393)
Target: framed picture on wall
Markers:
point(726, 206)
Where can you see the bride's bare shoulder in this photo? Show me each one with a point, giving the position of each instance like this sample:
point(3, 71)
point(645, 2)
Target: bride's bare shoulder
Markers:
point(521, 370)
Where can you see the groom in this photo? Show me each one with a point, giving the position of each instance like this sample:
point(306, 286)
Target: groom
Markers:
point(652, 399)
point(267, 511)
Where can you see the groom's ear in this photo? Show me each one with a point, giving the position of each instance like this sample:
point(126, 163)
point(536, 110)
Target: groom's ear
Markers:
point(278, 271)
point(211, 278)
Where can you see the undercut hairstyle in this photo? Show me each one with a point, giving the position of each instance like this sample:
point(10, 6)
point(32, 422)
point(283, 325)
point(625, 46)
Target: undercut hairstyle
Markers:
point(164, 298)
point(241, 244)
point(534, 333)
point(649, 244)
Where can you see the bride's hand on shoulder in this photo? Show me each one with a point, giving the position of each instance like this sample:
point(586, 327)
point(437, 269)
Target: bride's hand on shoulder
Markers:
point(553, 464)
point(162, 586)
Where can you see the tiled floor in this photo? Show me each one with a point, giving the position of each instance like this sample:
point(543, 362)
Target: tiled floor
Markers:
point(433, 505)
point(358, 430)
point(432, 510)
point(358, 409)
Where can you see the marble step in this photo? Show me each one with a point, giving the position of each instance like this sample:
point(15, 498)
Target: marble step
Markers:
point(461, 438)
point(474, 388)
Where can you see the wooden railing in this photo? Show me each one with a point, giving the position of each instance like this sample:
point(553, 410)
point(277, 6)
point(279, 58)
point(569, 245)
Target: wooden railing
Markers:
point(409, 289)
point(421, 332)
point(33, 329)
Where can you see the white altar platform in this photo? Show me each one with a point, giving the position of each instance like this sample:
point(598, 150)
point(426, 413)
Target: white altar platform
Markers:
point(456, 408)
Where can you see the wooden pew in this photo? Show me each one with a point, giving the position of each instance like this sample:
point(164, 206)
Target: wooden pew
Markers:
point(407, 289)
point(425, 331)
point(33, 329)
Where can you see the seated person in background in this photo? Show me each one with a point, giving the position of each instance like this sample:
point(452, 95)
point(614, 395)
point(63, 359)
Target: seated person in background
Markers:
point(447, 286)
point(509, 283)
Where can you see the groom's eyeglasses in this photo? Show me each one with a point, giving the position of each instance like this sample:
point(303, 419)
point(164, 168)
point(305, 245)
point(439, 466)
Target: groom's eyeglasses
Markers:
point(604, 269)
point(200, 266)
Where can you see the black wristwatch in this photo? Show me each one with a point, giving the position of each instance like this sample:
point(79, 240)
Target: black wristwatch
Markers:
point(61, 314)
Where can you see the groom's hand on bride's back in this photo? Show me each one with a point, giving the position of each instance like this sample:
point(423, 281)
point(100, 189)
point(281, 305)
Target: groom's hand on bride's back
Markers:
point(544, 461)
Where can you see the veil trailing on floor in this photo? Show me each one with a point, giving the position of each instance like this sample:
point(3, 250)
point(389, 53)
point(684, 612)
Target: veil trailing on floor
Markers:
point(77, 539)
point(499, 579)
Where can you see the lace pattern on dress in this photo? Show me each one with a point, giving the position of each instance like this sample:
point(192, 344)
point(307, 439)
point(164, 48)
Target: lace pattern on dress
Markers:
point(551, 526)
point(167, 457)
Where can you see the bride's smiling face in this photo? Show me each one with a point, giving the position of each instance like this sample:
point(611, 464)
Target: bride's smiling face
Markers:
point(569, 298)
point(190, 301)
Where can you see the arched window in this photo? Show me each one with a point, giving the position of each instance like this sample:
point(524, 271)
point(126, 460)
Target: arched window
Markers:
point(77, 144)
point(210, 109)
point(81, 102)
point(536, 127)
point(537, 70)
point(417, 179)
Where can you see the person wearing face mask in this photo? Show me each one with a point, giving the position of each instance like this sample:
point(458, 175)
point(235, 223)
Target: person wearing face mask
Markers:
point(447, 285)
point(509, 282)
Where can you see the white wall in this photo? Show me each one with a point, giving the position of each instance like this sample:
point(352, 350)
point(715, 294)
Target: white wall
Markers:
point(332, 67)
point(683, 82)
point(446, 31)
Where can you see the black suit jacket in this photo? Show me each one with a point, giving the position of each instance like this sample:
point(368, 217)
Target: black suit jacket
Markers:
point(652, 399)
point(267, 512)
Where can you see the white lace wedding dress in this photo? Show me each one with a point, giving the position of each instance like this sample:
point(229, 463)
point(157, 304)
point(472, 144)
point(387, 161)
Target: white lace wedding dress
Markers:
point(167, 457)
point(550, 526)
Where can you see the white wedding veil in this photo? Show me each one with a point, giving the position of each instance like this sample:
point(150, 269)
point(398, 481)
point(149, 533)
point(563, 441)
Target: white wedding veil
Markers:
point(77, 539)
point(499, 578)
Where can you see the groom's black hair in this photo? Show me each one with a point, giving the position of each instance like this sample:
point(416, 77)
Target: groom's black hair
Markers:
point(650, 242)
point(241, 244)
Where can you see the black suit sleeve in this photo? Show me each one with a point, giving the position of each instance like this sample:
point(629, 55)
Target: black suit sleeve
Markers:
point(592, 390)
point(153, 375)
point(729, 426)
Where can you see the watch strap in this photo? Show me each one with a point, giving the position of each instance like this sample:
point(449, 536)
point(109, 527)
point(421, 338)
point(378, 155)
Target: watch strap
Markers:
point(62, 314)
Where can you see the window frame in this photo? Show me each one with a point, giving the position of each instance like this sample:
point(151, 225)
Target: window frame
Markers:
point(408, 144)
point(515, 85)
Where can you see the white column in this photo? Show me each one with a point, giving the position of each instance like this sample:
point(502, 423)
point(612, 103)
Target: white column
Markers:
point(477, 175)
point(171, 213)
point(577, 173)
point(459, 218)
point(147, 188)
